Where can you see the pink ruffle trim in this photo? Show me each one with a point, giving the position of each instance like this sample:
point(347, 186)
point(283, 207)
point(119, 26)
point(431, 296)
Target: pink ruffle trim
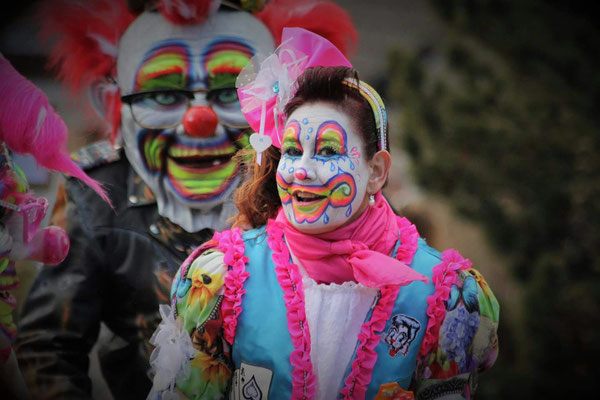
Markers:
point(233, 248)
point(409, 241)
point(444, 276)
point(355, 385)
point(290, 280)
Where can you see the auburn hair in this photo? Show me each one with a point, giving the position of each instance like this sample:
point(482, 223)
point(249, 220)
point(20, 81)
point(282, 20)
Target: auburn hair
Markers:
point(257, 200)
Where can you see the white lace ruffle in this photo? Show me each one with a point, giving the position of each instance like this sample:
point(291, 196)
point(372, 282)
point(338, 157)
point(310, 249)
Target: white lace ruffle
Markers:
point(336, 287)
point(335, 314)
point(170, 359)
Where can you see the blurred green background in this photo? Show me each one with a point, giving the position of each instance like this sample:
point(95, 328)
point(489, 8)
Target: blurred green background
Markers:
point(500, 118)
point(495, 124)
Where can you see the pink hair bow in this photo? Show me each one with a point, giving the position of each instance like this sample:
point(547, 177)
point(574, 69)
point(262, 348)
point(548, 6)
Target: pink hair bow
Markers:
point(266, 85)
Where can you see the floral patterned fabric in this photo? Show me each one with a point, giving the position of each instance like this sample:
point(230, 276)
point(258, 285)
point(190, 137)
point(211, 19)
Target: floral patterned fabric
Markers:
point(465, 326)
point(199, 298)
point(467, 341)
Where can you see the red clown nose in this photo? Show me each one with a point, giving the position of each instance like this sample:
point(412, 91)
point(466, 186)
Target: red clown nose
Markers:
point(200, 121)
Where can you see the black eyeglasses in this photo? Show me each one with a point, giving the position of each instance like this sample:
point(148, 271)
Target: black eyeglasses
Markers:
point(164, 108)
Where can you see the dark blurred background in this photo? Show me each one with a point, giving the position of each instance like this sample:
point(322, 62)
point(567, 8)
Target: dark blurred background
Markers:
point(495, 124)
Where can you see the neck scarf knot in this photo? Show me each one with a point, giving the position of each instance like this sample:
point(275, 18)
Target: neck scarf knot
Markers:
point(357, 252)
point(345, 247)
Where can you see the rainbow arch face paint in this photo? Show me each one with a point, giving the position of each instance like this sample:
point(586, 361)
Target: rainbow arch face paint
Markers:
point(323, 174)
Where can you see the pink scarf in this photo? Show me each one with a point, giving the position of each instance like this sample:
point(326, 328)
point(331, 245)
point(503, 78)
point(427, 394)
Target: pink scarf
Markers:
point(357, 252)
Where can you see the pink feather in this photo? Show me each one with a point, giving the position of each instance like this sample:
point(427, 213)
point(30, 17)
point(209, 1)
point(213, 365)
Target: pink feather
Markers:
point(29, 125)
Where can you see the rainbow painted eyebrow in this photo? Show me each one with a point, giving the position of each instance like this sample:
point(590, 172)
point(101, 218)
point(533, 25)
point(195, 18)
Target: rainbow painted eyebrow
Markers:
point(223, 60)
point(331, 137)
point(291, 136)
point(165, 67)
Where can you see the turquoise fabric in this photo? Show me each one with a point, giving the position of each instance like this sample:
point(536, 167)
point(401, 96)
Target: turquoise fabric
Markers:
point(411, 301)
point(262, 337)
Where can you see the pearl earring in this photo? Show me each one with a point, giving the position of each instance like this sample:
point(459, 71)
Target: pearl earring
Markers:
point(371, 199)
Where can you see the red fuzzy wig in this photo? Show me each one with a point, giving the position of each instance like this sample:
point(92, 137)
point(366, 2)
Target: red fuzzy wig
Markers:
point(87, 34)
point(324, 18)
point(188, 11)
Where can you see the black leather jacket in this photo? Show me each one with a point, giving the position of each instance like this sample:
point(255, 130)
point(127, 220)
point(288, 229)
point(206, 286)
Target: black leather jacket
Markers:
point(119, 268)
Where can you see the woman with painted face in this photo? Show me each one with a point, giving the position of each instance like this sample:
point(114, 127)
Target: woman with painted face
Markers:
point(320, 290)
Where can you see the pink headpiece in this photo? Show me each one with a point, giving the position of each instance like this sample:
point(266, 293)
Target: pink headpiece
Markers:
point(266, 85)
point(29, 124)
point(88, 33)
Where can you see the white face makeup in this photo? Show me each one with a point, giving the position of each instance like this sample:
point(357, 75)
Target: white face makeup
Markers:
point(323, 173)
point(189, 173)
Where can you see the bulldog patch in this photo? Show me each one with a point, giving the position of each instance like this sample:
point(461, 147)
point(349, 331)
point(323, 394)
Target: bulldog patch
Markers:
point(401, 334)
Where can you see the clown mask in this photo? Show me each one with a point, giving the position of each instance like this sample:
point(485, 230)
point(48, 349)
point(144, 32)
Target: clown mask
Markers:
point(323, 174)
point(181, 119)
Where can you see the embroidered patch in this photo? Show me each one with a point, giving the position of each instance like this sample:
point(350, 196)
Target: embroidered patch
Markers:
point(393, 391)
point(250, 382)
point(401, 334)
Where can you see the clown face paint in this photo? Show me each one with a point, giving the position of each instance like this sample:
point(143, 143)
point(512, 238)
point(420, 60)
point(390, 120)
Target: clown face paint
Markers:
point(190, 173)
point(322, 175)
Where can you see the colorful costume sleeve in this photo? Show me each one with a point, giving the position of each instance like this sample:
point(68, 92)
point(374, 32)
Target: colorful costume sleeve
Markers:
point(61, 318)
point(466, 341)
point(191, 357)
